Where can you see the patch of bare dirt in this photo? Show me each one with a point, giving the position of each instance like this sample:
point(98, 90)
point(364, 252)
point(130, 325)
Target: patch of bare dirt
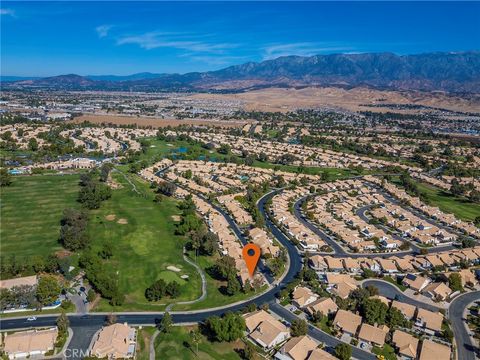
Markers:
point(283, 100)
point(155, 122)
point(63, 254)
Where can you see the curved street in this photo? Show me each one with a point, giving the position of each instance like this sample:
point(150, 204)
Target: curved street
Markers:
point(466, 349)
point(84, 326)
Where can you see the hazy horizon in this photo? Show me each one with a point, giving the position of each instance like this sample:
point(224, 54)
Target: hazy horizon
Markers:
point(122, 38)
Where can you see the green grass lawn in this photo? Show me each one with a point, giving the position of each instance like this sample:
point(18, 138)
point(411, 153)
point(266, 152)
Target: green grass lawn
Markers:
point(143, 247)
point(144, 336)
point(176, 345)
point(31, 210)
point(460, 207)
point(215, 297)
point(387, 351)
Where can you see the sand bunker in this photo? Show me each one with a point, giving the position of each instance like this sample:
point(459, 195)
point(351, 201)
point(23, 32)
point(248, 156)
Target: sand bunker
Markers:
point(176, 217)
point(110, 217)
point(122, 221)
point(173, 268)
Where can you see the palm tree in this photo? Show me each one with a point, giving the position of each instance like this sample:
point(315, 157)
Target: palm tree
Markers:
point(196, 338)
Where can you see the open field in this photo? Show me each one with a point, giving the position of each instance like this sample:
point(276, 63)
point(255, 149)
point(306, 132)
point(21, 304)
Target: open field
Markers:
point(280, 99)
point(177, 345)
point(460, 207)
point(31, 209)
point(143, 246)
point(154, 122)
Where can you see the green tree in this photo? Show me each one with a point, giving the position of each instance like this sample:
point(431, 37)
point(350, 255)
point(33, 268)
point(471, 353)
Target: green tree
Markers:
point(455, 282)
point(343, 351)
point(166, 323)
point(173, 289)
point(156, 291)
point(5, 177)
point(299, 327)
point(196, 337)
point(73, 235)
point(395, 318)
point(91, 295)
point(374, 311)
point(233, 285)
point(63, 322)
point(48, 289)
point(33, 144)
point(229, 328)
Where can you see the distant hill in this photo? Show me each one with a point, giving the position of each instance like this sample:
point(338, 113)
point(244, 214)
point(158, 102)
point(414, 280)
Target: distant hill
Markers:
point(17, 78)
point(450, 72)
point(138, 76)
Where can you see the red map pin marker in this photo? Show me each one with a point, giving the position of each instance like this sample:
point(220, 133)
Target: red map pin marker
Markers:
point(251, 254)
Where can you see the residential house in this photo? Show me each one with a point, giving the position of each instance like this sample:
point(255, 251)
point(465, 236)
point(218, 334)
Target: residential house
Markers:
point(319, 354)
point(432, 350)
point(428, 321)
point(115, 341)
point(29, 343)
point(302, 296)
point(406, 309)
point(297, 348)
point(373, 335)
point(265, 330)
point(318, 263)
point(438, 291)
point(406, 345)
point(416, 282)
point(347, 322)
point(325, 306)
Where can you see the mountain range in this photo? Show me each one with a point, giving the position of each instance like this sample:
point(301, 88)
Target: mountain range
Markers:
point(440, 71)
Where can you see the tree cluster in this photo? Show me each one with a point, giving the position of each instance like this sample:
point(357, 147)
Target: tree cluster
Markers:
point(230, 327)
point(161, 288)
point(73, 226)
point(92, 191)
point(103, 280)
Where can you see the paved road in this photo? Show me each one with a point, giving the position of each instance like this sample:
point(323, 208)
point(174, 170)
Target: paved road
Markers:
point(340, 252)
point(360, 212)
point(321, 336)
point(392, 292)
point(85, 326)
point(297, 211)
point(465, 347)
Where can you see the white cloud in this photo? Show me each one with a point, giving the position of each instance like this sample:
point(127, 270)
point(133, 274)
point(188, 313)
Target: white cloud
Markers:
point(153, 40)
point(301, 49)
point(9, 12)
point(103, 30)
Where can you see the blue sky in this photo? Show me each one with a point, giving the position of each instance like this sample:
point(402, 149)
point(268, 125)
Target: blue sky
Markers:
point(90, 38)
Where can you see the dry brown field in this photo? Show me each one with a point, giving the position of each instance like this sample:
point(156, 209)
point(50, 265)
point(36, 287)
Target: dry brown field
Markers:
point(283, 100)
point(155, 122)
